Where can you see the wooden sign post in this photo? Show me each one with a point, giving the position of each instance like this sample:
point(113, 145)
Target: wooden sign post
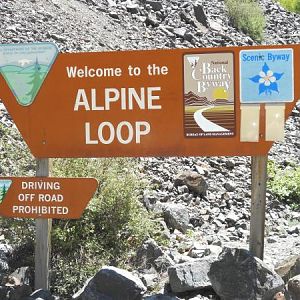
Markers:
point(258, 205)
point(42, 238)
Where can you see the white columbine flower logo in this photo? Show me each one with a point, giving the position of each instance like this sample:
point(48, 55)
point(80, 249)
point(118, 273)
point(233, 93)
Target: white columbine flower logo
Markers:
point(266, 79)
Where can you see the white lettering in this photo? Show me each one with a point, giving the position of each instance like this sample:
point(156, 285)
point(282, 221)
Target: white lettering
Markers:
point(81, 100)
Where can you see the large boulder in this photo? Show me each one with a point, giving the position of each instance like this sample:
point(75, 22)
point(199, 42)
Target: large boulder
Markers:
point(238, 275)
point(194, 181)
point(112, 283)
point(177, 217)
point(289, 268)
point(20, 292)
point(190, 276)
point(39, 295)
point(294, 287)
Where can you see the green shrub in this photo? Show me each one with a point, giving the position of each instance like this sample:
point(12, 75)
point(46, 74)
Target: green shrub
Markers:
point(285, 184)
point(111, 228)
point(247, 16)
point(292, 5)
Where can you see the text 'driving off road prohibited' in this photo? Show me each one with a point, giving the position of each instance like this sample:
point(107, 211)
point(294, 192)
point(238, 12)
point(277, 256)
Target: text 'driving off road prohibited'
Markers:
point(40, 197)
point(183, 102)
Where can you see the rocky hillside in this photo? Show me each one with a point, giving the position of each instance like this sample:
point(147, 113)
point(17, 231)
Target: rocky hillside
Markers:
point(198, 220)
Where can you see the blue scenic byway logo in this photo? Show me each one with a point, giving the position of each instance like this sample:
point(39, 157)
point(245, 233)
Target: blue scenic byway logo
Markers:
point(267, 76)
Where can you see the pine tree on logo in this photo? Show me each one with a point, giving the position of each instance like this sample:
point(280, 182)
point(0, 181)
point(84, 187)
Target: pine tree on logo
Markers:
point(3, 192)
point(35, 81)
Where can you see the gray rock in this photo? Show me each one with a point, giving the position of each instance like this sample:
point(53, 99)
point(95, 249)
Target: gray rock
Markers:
point(5, 252)
point(215, 26)
point(114, 15)
point(42, 295)
point(22, 274)
point(177, 217)
point(21, 291)
point(200, 14)
point(238, 275)
point(294, 229)
point(183, 189)
point(229, 186)
point(152, 21)
point(155, 5)
point(161, 297)
point(200, 250)
point(289, 268)
point(111, 3)
point(58, 37)
point(163, 262)
point(133, 8)
point(150, 281)
point(294, 287)
point(194, 181)
point(180, 32)
point(4, 292)
point(232, 218)
point(112, 283)
point(148, 253)
point(150, 199)
point(190, 276)
point(3, 268)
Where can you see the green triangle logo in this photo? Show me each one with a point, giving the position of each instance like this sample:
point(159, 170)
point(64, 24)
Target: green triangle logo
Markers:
point(25, 67)
point(4, 187)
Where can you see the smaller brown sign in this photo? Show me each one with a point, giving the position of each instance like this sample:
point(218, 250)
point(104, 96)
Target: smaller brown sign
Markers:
point(209, 95)
point(43, 197)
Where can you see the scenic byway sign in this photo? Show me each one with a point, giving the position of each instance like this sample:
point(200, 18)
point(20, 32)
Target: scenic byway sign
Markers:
point(40, 197)
point(183, 102)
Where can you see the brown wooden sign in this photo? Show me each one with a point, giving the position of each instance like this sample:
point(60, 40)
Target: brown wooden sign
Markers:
point(40, 197)
point(183, 102)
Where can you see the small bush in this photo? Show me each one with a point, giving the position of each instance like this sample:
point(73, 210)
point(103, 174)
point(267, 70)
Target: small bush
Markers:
point(292, 5)
point(285, 184)
point(111, 228)
point(247, 16)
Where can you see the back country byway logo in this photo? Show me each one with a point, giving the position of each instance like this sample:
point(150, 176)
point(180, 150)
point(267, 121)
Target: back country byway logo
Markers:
point(209, 95)
point(25, 67)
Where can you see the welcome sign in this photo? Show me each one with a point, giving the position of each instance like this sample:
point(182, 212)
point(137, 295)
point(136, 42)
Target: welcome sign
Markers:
point(183, 102)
